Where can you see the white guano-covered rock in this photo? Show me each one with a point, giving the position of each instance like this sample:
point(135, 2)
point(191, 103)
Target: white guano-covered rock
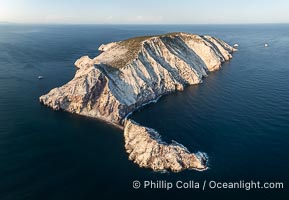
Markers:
point(146, 148)
point(134, 72)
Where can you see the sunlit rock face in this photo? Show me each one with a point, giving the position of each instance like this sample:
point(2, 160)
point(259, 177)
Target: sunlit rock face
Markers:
point(134, 72)
point(147, 149)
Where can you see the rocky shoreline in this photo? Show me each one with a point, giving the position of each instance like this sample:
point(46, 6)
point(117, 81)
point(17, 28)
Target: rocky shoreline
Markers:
point(147, 149)
point(132, 73)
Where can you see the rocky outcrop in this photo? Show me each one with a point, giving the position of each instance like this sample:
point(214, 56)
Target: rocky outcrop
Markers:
point(146, 148)
point(131, 73)
point(136, 71)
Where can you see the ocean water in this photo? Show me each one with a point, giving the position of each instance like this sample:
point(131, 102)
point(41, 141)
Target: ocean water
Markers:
point(239, 116)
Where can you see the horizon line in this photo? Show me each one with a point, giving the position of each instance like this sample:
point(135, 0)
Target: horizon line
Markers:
point(173, 24)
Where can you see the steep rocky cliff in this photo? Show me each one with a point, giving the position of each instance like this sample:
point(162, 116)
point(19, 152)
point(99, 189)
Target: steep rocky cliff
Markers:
point(131, 73)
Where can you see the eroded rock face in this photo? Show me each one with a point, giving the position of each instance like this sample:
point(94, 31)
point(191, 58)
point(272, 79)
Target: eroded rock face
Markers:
point(146, 148)
point(131, 73)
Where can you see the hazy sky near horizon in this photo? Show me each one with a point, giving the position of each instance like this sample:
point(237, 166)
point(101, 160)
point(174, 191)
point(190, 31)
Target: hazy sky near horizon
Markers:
point(145, 11)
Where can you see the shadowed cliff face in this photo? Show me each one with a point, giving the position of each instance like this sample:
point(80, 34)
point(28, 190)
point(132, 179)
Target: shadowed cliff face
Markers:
point(135, 72)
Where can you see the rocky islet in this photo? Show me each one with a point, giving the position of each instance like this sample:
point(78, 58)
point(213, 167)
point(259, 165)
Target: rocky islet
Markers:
point(134, 72)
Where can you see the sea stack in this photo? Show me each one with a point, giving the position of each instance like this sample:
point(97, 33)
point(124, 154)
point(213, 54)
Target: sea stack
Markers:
point(134, 72)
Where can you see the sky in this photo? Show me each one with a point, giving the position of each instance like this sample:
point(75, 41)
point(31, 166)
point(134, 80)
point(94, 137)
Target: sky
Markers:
point(144, 11)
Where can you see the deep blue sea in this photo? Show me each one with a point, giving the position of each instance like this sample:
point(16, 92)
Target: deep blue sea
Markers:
point(239, 116)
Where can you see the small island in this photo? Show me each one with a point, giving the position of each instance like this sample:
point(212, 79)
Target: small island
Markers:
point(132, 73)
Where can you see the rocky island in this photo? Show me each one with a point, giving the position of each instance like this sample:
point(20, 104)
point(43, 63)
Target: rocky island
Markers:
point(132, 73)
